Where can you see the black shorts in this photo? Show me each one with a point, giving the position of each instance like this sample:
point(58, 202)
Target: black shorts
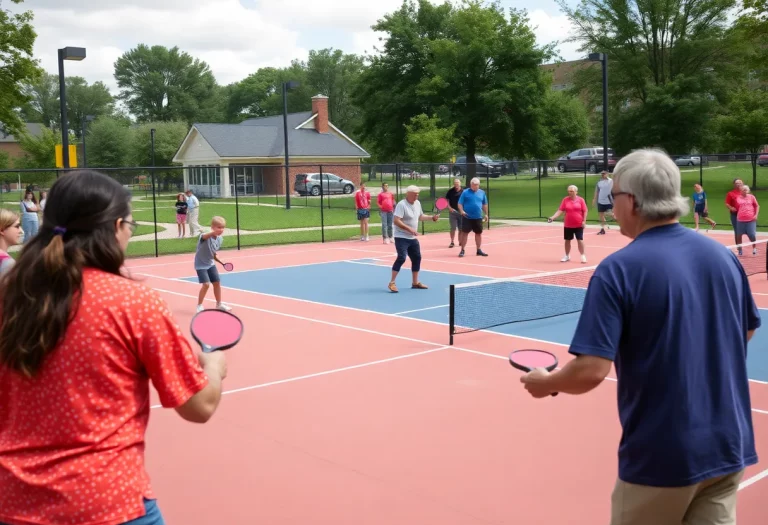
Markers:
point(569, 233)
point(700, 211)
point(602, 208)
point(471, 225)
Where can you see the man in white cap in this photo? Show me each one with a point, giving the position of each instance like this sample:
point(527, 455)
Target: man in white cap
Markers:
point(408, 213)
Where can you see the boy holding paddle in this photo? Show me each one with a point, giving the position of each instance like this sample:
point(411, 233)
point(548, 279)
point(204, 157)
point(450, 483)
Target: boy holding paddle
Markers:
point(205, 262)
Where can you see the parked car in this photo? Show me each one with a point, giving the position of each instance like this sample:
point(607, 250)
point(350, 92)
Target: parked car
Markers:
point(762, 160)
point(590, 159)
point(309, 184)
point(485, 166)
point(689, 160)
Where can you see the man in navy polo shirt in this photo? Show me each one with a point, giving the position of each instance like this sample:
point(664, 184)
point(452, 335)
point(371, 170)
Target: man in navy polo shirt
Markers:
point(683, 390)
point(473, 206)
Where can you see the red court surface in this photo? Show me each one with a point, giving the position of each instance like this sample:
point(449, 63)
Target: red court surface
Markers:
point(336, 416)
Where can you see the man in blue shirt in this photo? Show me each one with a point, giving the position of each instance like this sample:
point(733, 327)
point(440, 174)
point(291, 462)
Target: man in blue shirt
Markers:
point(473, 206)
point(683, 389)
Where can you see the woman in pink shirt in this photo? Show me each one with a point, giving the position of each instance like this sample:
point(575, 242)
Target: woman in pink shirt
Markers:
point(575, 220)
point(386, 202)
point(746, 217)
point(363, 205)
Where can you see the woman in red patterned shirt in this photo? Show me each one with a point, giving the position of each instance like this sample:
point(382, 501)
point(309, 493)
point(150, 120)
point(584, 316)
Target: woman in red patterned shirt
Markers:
point(79, 345)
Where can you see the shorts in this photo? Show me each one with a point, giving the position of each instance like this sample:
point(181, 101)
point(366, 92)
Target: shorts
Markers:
point(471, 225)
point(570, 233)
point(181, 218)
point(700, 210)
point(454, 220)
point(363, 214)
point(210, 275)
point(602, 208)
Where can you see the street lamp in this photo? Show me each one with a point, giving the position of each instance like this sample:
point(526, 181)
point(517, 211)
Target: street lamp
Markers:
point(286, 86)
point(67, 53)
point(603, 58)
point(86, 118)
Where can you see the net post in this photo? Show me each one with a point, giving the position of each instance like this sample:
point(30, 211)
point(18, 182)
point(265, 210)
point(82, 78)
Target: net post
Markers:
point(450, 315)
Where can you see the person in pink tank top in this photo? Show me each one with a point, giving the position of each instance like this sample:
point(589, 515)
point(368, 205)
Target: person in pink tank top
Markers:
point(386, 202)
point(575, 210)
point(747, 209)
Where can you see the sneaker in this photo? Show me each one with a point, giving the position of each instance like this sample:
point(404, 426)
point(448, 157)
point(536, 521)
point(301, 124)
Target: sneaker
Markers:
point(461, 253)
point(393, 287)
point(601, 232)
point(200, 308)
point(450, 245)
point(583, 258)
point(224, 307)
point(481, 253)
point(565, 259)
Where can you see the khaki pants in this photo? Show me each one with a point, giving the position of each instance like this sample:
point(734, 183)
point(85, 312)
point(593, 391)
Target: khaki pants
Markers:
point(194, 226)
point(711, 502)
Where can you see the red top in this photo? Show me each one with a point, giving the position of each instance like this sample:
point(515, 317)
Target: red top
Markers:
point(72, 438)
point(747, 206)
point(362, 200)
point(731, 199)
point(386, 201)
point(575, 212)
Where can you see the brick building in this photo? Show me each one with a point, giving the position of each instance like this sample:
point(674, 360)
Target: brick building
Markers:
point(10, 144)
point(251, 154)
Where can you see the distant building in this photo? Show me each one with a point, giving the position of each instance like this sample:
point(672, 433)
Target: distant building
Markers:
point(252, 154)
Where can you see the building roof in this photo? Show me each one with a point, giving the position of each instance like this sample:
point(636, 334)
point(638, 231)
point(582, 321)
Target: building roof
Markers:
point(263, 137)
point(33, 128)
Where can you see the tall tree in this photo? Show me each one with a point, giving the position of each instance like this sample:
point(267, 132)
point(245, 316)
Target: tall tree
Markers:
point(109, 143)
point(260, 94)
point(662, 54)
point(745, 126)
point(17, 66)
point(43, 105)
point(164, 84)
point(472, 65)
point(335, 75)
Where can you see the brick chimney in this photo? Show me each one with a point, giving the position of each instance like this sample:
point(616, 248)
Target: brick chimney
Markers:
point(320, 107)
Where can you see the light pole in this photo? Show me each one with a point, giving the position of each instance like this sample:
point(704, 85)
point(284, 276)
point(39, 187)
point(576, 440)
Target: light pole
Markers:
point(603, 59)
point(86, 118)
point(66, 53)
point(286, 86)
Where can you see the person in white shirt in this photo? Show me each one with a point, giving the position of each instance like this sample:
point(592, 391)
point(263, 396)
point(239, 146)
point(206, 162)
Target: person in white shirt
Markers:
point(603, 199)
point(408, 213)
point(193, 213)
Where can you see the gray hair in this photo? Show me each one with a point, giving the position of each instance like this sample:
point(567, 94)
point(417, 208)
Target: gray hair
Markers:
point(574, 187)
point(653, 178)
point(475, 180)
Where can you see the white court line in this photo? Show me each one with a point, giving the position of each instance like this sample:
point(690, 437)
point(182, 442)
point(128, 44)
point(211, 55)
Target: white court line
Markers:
point(408, 268)
point(526, 338)
point(441, 261)
point(328, 372)
point(754, 479)
point(422, 309)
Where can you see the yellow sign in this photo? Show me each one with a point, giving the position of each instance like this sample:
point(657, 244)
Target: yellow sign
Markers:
point(72, 156)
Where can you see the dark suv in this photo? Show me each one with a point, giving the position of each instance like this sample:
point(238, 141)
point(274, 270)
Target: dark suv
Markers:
point(484, 167)
point(590, 159)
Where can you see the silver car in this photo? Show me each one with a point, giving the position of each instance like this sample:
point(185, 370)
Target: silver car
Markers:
point(309, 184)
point(688, 160)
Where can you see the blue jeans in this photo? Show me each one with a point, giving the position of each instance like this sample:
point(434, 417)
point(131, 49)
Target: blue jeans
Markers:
point(152, 516)
point(387, 220)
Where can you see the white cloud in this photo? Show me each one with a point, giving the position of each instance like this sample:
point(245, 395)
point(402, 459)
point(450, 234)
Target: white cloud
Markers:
point(233, 39)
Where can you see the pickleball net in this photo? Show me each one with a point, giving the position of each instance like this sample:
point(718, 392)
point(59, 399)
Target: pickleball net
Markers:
point(488, 304)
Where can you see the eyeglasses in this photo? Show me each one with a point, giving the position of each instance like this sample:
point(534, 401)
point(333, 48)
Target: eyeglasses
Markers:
point(133, 225)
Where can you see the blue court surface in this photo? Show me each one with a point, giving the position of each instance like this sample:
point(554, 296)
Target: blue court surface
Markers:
point(362, 285)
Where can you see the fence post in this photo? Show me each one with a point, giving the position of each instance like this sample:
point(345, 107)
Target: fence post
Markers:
point(237, 205)
point(538, 176)
point(154, 200)
point(488, 195)
point(322, 212)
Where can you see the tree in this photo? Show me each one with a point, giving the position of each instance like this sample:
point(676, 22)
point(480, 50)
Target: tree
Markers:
point(753, 23)
point(335, 75)
point(426, 141)
point(84, 99)
point(471, 65)
point(260, 94)
point(168, 139)
point(109, 142)
point(662, 54)
point(17, 66)
point(160, 84)
point(43, 105)
point(564, 125)
point(745, 126)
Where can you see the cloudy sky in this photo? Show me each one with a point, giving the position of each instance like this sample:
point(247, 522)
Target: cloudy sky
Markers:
point(235, 37)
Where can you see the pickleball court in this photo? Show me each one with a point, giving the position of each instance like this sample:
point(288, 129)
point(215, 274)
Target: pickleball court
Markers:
point(346, 404)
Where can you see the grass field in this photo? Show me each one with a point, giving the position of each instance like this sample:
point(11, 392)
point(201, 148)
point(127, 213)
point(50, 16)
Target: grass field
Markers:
point(263, 220)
